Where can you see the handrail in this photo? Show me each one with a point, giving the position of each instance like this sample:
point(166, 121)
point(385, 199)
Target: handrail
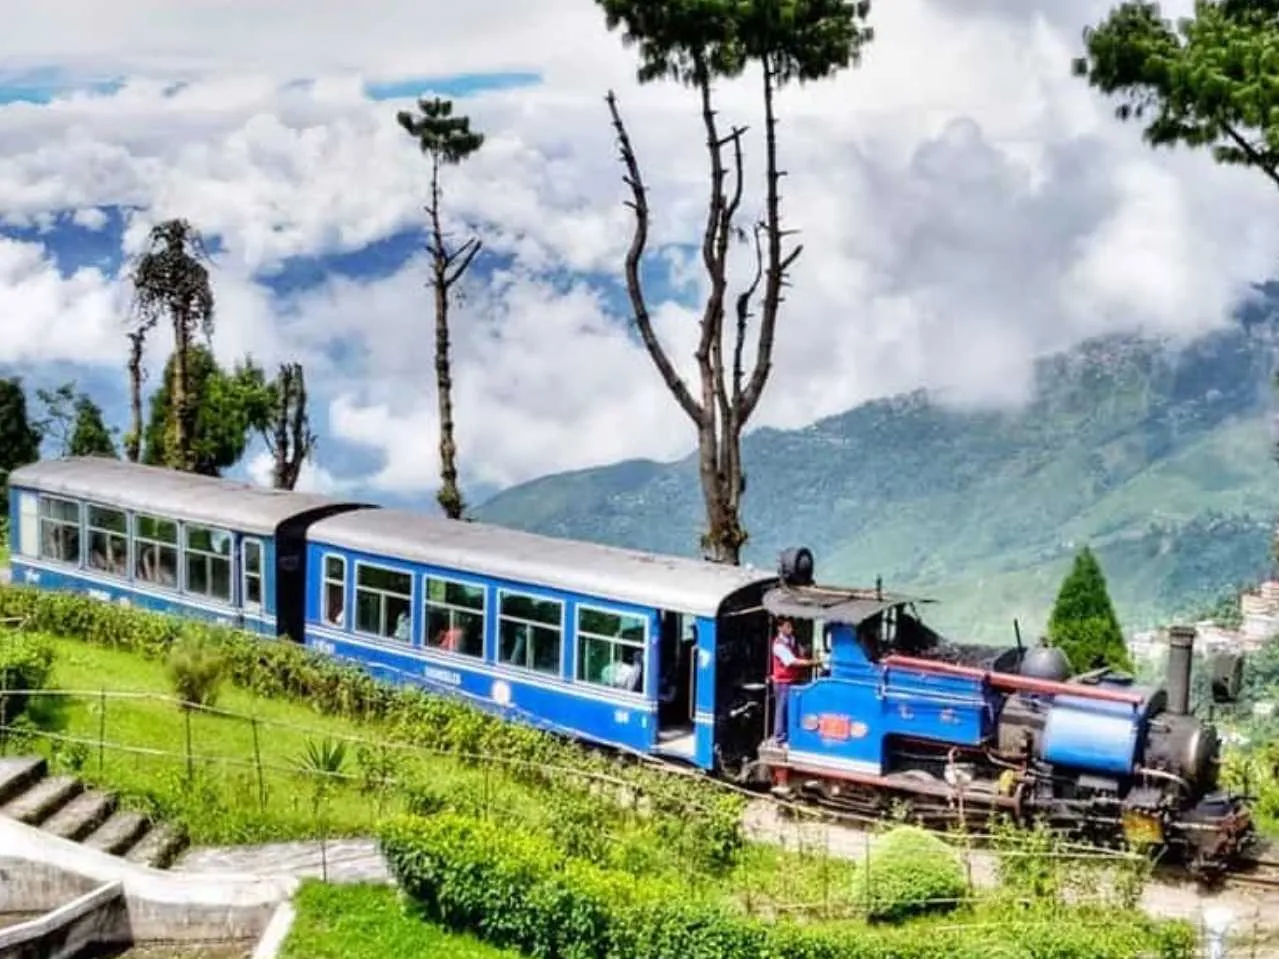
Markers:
point(1014, 683)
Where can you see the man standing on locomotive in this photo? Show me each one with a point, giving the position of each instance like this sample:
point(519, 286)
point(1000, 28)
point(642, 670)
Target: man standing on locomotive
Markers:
point(788, 668)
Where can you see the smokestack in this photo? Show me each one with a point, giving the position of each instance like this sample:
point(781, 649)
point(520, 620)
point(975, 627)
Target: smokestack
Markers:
point(1181, 647)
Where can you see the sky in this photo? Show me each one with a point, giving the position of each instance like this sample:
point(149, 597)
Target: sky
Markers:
point(965, 205)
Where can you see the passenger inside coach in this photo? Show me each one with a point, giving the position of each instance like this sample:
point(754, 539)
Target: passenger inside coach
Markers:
point(625, 673)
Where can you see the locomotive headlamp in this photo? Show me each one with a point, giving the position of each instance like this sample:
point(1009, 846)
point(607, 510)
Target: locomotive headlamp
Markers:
point(795, 566)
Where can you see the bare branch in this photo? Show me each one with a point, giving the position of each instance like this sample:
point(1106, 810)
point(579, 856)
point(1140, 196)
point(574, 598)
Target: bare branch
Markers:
point(634, 287)
point(775, 275)
point(743, 316)
point(466, 252)
point(1252, 153)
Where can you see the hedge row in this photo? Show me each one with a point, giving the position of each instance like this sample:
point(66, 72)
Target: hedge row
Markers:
point(708, 815)
point(520, 891)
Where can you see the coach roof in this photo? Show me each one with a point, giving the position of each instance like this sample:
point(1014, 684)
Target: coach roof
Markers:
point(166, 492)
point(606, 572)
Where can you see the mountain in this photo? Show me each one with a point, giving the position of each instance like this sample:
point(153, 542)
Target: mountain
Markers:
point(1157, 454)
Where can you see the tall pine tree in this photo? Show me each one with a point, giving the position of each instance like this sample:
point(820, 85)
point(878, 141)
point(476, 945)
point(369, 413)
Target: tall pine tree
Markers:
point(19, 439)
point(1083, 622)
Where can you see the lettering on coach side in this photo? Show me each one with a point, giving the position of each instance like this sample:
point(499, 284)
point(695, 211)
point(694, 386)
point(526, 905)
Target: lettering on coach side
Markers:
point(446, 676)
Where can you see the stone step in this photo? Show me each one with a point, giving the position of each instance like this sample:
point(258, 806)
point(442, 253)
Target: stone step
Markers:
point(159, 847)
point(120, 831)
point(43, 799)
point(18, 774)
point(81, 816)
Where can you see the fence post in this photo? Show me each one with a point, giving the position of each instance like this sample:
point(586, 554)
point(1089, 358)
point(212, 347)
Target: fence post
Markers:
point(102, 726)
point(866, 866)
point(257, 763)
point(186, 714)
point(4, 708)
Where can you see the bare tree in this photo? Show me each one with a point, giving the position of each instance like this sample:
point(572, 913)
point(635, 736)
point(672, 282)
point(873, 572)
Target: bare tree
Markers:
point(289, 437)
point(446, 140)
point(171, 281)
point(696, 42)
point(137, 347)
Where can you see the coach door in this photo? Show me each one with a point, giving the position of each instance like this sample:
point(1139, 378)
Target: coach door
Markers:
point(677, 685)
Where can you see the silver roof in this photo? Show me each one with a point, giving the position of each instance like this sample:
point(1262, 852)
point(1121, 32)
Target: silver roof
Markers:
point(154, 489)
point(646, 579)
point(833, 604)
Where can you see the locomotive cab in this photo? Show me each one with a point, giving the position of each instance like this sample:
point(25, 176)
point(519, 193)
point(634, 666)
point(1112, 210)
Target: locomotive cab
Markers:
point(897, 715)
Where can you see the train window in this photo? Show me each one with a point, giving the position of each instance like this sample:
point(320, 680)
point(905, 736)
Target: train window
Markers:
point(530, 632)
point(335, 591)
point(251, 570)
point(454, 616)
point(155, 554)
point(59, 530)
point(108, 540)
point(383, 602)
point(208, 562)
point(610, 648)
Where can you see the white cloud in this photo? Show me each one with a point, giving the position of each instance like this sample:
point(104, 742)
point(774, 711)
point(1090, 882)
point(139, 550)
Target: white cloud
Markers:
point(964, 203)
point(311, 478)
point(91, 218)
point(43, 314)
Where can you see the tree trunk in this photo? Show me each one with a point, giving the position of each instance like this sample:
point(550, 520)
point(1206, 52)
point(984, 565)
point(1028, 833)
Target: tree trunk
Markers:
point(280, 478)
point(450, 495)
point(177, 453)
point(133, 443)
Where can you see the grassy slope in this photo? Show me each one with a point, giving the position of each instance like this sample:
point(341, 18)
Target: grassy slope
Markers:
point(228, 744)
point(369, 922)
point(227, 809)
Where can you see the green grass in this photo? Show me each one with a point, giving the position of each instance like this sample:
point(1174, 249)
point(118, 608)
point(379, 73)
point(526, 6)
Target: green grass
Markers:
point(227, 806)
point(224, 807)
point(369, 922)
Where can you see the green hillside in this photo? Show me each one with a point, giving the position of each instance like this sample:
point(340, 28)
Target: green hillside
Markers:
point(1159, 455)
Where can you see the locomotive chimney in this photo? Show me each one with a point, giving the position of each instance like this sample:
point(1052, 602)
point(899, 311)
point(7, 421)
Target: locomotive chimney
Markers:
point(1181, 646)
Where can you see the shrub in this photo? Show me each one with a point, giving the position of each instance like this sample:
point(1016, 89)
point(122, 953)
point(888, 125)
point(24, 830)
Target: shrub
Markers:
point(519, 890)
point(910, 871)
point(26, 662)
point(196, 667)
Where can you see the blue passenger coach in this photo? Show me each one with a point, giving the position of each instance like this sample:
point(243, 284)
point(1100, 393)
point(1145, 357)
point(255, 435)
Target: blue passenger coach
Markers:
point(622, 647)
point(171, 542)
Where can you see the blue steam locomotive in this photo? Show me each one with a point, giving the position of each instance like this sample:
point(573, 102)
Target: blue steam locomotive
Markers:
point(652, 654)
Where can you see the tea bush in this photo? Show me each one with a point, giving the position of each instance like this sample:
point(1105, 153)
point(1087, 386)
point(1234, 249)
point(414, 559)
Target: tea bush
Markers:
point(522, 891)
point(699, 817)
point(196, 668)
point(26, 663)
point(910, 871)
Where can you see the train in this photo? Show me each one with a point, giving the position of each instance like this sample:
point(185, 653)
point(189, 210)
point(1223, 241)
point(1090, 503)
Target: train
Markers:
point(664, 656)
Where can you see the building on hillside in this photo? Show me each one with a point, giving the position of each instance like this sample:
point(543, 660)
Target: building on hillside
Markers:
point(1259, 608)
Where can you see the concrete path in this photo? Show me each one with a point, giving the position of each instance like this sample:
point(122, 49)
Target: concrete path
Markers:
point(343, 860)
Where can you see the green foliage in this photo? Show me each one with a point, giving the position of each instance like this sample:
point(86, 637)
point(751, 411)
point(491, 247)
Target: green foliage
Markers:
point(197, 669)
point(89, 433)
point(229, 407)
point(681, 39)
point(910, 871)
point(521, 891)
point(369, 922)
point(699, 821)
point(26, 662)
point(1205, 82)
point(1083, 621)
point(74, 422)
point(445, 138)
point(19, 439)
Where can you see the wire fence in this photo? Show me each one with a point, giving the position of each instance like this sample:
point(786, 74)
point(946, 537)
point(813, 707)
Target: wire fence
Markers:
point(833, 853)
